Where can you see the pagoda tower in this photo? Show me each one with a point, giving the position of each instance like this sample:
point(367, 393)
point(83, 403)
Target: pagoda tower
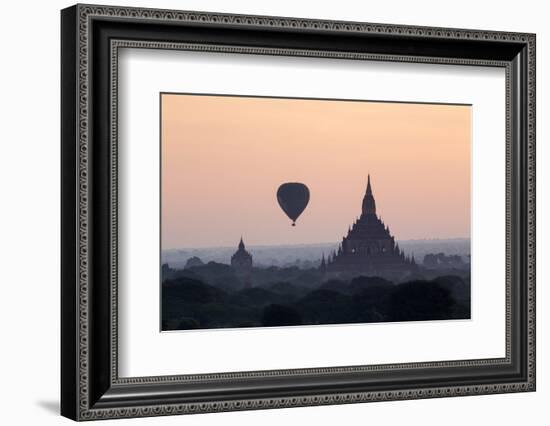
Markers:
point(369, 248)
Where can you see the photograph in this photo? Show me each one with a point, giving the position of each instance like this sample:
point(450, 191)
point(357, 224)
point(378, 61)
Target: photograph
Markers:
point(281, 211)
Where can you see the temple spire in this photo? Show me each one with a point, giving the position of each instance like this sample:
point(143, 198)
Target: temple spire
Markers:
point(369, 189)
point(369, 206)
point(241, 244)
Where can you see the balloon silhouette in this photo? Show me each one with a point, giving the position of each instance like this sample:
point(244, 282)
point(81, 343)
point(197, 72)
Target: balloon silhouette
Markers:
point(293, 198)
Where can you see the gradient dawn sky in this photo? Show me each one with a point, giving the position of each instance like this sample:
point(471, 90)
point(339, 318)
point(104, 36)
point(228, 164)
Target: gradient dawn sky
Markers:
point(224, 157)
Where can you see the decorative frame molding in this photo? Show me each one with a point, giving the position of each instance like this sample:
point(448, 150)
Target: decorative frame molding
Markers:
point(91, 37)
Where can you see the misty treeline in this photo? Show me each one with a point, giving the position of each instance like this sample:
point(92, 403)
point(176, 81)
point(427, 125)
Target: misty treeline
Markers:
point(307, 256)
point(213, 296)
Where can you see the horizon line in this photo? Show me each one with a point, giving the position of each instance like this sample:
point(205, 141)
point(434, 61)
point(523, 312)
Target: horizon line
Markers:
point(305, 244)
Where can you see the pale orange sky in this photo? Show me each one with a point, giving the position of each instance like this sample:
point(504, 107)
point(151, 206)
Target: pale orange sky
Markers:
point(224, 157)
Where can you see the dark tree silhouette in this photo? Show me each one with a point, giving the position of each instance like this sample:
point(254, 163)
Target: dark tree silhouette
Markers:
point(362, 283)
point(420, 300)
point(191, 291)
point(459, 289)
point(254, 297)
point(278, 315)
point(326, 307)
point(335, 285)
point(212, 296)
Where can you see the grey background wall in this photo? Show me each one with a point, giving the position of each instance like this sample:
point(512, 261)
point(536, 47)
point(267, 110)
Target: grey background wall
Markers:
point(29, 211)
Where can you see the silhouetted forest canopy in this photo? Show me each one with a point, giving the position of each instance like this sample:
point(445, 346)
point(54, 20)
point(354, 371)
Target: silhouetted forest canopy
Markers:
point(212, 295)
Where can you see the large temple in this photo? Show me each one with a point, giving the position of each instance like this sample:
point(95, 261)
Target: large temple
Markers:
point(369, 248)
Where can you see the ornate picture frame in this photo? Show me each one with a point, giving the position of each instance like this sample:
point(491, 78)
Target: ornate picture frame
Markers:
point(91, 37)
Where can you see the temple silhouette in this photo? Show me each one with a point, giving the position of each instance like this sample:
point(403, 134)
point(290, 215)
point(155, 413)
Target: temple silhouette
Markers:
point(241, 261)
point(369, 248)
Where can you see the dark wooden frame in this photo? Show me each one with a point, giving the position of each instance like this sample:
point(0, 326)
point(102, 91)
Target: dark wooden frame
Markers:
point(90, 386)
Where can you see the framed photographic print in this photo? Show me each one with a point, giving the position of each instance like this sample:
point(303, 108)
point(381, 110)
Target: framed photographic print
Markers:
point(263, 212)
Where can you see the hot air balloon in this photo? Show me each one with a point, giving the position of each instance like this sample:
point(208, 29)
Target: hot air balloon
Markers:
point(293, 198)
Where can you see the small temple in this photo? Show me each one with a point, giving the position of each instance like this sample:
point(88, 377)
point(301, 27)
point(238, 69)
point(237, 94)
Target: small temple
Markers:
point(241, 262)
point(369, 248)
